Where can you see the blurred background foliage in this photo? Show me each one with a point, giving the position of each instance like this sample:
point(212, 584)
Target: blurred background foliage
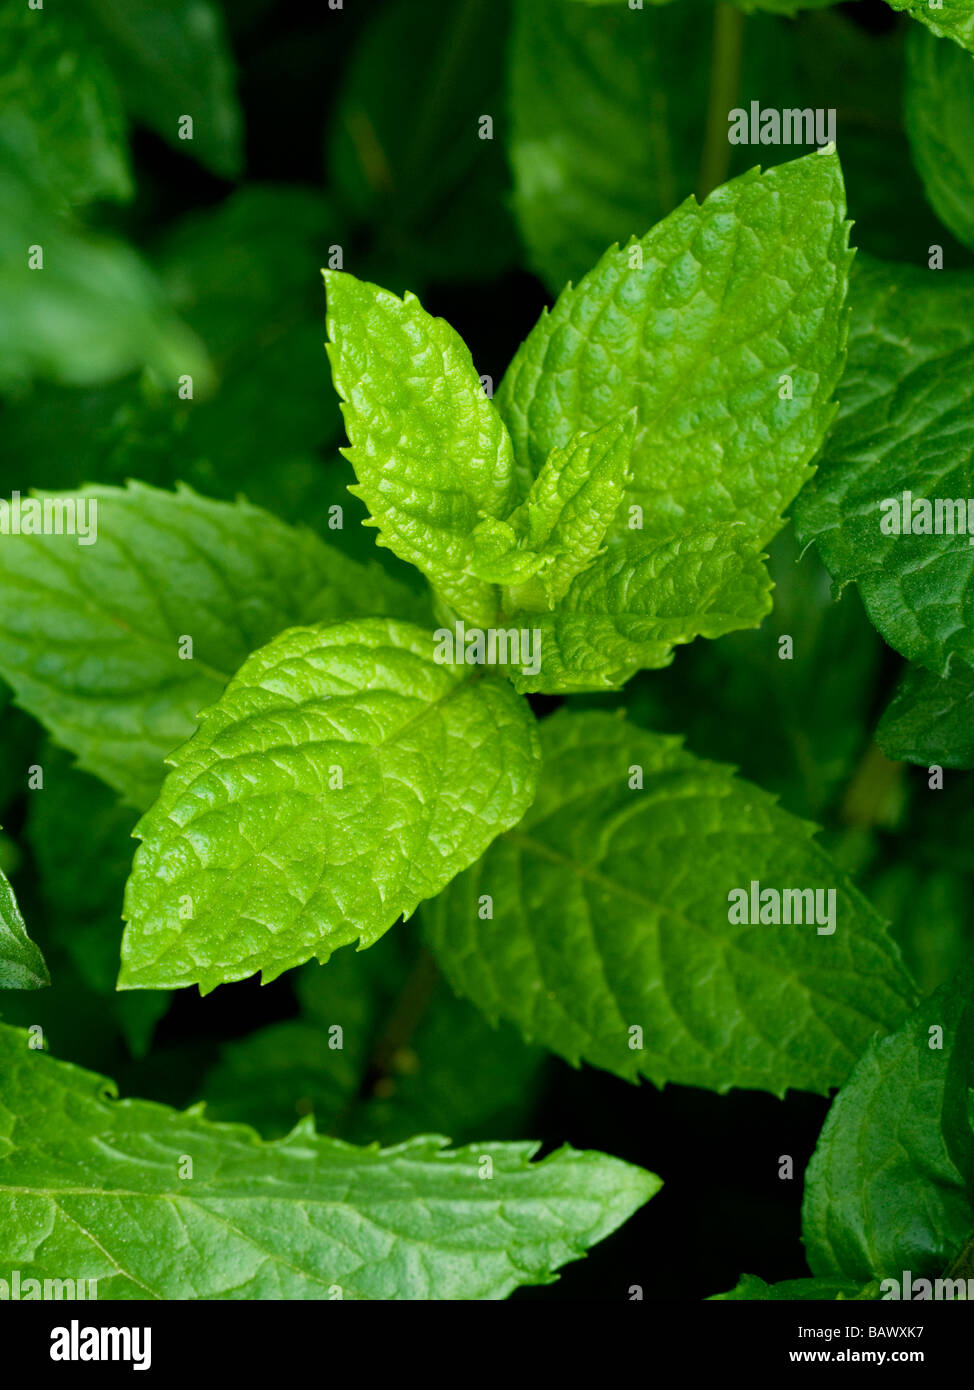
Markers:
point(359, 133)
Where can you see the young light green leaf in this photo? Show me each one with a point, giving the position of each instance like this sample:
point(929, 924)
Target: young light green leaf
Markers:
point(343, 776)
point(931, 718)
point(171, 60)
point(615, 932)
point(98, 1187)
point(939, 120)
point(632, 605)
point(21, 963)
point(891, 1183)
point(568, 511)
point(724, 327)
point(172, 591)
point(63, 120)
point(954, 20)
point(750, 1289)
point(888, 508)
point(431, 454)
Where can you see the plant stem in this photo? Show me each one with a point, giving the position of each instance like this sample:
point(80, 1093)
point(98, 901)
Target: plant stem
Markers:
point(725, 75)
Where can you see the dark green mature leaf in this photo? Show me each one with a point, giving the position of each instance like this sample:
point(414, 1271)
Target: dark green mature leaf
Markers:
point(343, 776)
point(21, 963)
point(929, 907)
point(610, 908)
point(603, 141)
point(409, 152)
point(940, 118)
point(931, 719)
point(63, 121)
point(166, 568)
point(751, 1289)
point(61, 286)
point(81, 837)
point(382, 1050)
point(953, 20)
point(99, 1186)
point(815, 663)
point(431, 454)
point(891, 1183)
point(906, 426)
point(732, 296)
point(171, 60)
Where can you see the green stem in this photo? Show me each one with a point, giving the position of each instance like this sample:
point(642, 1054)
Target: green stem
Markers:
point(725, 76)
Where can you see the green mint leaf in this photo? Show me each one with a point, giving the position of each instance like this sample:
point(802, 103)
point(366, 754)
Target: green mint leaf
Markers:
point(343, 776)
point(568, 511)
point(63, 121)
point(607, 910)
point(904, 437)
point(21, 963)
point(939, 119)
point(891, 1183)
point(307, 1217)
point(750, 1289)
point(954, 20)
point(171, 60)
point(930, 719)
point(736, 298)
point(430, 452)
point(165, 569)
point(630, 607)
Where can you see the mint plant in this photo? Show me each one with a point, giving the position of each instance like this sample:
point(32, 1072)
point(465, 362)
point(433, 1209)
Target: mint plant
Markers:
point(580, 698)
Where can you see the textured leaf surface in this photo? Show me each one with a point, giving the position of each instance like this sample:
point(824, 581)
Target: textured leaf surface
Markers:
point(97, 1186)
point(171, 59)
point(890, 1184)
point(165, 566)
point(430, 452)
point(566, 514)
point(62, 116)
point(610, 911)
point(940, 120)
point(628, 609)
point(21, 963)
point(279, 862)
point(931, 719)
point(733, 295)
point(953, 20)
point(906, 425)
